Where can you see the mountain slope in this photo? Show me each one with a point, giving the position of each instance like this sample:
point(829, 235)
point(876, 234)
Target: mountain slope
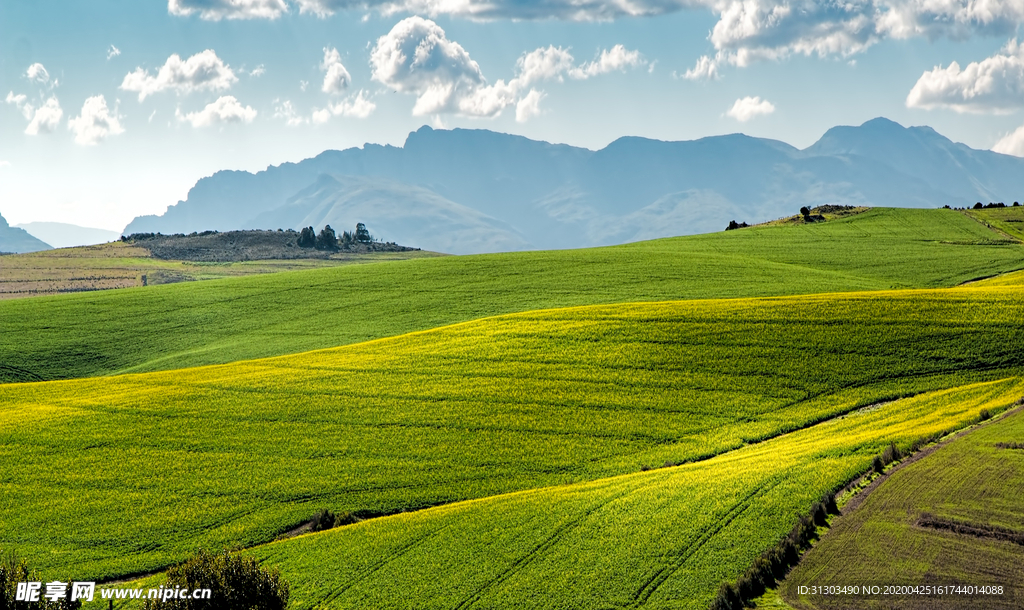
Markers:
point(64, 235)
point(559, 196)
point(13, 239)
point(402, 213)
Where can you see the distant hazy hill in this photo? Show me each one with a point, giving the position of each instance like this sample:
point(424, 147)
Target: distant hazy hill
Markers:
point(18, 240)
point(63, 235)
point(465, 191)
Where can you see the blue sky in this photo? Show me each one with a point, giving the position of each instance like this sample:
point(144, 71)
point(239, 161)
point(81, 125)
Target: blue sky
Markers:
point(114, 109)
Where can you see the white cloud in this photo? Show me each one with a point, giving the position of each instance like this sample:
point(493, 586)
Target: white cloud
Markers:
point(529, 106)
point(46, 118)
point(20, 101)
point(42, 119)
point(749, 107)
point(617, 58)
point(543, 64)
point(285, 110)
point(356, 107)
point(215, 10)
point(705, 69)
point(113, 52)
point(995, 84)
point(201, 72)
point(258, 71)
point(1012, 143)
point(416, 58)
point(226, 109)
point(96, 123)
point(336, 77)
point(37, 73)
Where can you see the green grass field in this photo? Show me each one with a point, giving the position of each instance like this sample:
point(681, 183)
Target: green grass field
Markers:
point(659, 539)
point(1009, 220)
point(126, 474)
point(971, 481)
point(182, 325)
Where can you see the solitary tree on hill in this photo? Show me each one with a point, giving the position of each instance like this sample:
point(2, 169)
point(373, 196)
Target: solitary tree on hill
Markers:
point(805, 212)
point(362, 234)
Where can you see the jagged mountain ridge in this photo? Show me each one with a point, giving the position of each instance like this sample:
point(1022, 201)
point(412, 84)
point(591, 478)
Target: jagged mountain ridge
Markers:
point(465, 191)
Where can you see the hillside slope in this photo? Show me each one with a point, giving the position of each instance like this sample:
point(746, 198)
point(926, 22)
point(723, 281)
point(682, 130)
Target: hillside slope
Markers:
point(660, 539)
point(165, 327)
point(15, 240)
point(127, 474)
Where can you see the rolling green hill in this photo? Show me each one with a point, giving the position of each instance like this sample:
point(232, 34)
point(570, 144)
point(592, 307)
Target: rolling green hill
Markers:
point(951, 518)
point(659, 539)
point(124, 474)
point(182, 325)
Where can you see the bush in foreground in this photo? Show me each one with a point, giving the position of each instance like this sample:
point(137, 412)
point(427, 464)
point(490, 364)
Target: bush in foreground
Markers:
point(14, 571)
point(235, 582)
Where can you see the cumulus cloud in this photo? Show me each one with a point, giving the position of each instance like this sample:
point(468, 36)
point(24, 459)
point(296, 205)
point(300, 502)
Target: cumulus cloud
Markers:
point(615, 59)
point(258, 71)
point(37, 73)
point(226, 109)
point(705, 69)
point(336, 77)
point(357, 106)
point(544, 64)
point(529, 106)
point(201, 72)
point(113, 52)
point(1011, 144)
point(417, 58)
point(215, 10)
point(96, 123)
point(44, 118)
point(749, 107)
point(995, 84)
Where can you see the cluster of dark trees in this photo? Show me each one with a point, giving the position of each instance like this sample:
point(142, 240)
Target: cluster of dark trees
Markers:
point(736, 225)
point(978, 205)
point(989, 205)
point(327, 239)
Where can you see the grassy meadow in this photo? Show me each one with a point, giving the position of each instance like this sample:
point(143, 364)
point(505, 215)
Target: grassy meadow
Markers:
point(220, 321)
point(604, 428)
point(973, 481)
point(126, 474)
point(659, 539)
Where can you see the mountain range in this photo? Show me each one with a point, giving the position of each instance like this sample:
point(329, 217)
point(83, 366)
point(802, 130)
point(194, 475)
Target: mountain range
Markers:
point(15, 240)
point(466, 191)
point(64, 235)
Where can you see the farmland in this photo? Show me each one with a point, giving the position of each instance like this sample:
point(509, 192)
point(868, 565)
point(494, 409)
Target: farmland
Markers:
point(901, 534)
point(122, 265)
point(659, 539)
point(126, 474)
point(220, 321)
